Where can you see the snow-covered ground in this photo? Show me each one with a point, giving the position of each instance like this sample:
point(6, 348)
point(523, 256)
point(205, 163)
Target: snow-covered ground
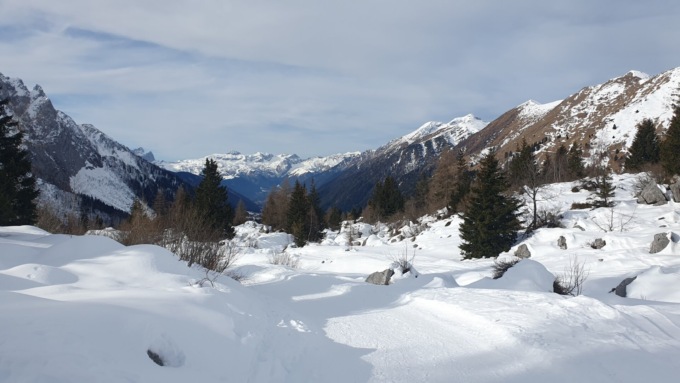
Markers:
point(87, 309)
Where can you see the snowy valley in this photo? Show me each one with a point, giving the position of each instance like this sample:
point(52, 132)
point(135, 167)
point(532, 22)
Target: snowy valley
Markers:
point(85, 308)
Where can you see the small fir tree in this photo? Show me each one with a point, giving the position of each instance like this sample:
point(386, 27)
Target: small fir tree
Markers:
point(212, 200)
point(386, 199)
point(575, 168)
point(645, 147)
point(670, 147)
point(314, 215)
point(463, 184)
point(17, 185)
point(605, 187)
point(491, 222)
point(298, 209)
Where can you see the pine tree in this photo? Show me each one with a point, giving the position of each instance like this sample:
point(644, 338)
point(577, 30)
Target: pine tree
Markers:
point(463, 183)
point(575, 168)
point(17, 188)
point(333, 218)
point(605, 187)
point(491, 222)
point(314, 215)
point(645, 147)
point(670, 147)
point(386, 199)
point(298, 209)
point(212, 200)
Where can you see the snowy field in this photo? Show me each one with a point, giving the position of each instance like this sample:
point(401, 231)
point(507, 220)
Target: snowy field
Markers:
point(87, 309)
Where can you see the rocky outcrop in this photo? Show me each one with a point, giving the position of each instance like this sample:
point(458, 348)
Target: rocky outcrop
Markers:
point(380, 277)
point(652, 195)
point(661, 240)
point(522, 252)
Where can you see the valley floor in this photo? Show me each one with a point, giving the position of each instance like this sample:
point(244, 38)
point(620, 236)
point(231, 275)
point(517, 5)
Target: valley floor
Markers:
point(87, 309)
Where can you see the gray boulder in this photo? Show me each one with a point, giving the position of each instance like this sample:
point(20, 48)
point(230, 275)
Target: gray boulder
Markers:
point(659, 243)
point(562, 242)
point(675, 189)
point(380, 277)
point(652, 195)
point(620, 290)
point(598, 243)
point(522, 252)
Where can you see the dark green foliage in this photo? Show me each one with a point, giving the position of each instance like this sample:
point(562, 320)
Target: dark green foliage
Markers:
point(17, 184)
point(575, 168)
point(462, 188)
point(670, 147)
point(521, 165)
point(645, 147)
point(314, 215)
point(386, 199)
point(605, 188)
point(297, 217)
point(491, 222)
point(333, 218)
point(211, 200)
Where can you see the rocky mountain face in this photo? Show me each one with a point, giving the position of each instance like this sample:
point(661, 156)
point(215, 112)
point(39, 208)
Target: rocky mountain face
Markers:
point(406, 159)
point(601, 119)
point(78, 167)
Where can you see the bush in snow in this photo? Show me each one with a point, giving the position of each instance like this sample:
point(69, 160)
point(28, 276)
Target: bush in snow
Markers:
point(572, 279)
point(403, 262)
point(500, 267)
point(285, 259)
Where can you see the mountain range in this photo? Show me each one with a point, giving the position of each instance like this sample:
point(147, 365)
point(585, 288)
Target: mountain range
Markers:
point(77, 163)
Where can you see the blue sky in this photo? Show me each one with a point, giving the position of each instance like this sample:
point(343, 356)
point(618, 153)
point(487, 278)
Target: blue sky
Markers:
point(191, 78)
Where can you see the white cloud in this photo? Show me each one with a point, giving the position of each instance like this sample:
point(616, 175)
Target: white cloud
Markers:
point(186, 78)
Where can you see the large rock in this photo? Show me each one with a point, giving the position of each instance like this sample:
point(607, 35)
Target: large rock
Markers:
point(659, 243)
point(380, 277)
point(675, 189)
point(652, 195)
point(522, 252)
point(598, 243)
point(620, 290)
point(562, 242)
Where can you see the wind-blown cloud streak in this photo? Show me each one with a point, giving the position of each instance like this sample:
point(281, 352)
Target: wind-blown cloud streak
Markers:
point(190, 78)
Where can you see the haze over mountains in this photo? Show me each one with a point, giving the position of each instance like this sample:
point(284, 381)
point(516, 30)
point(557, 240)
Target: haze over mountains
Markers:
point(78, 161)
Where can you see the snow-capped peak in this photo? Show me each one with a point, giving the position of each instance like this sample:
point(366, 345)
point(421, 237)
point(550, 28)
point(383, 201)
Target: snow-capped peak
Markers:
point(456, 130)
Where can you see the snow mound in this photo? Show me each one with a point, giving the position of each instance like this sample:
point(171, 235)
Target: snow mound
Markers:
point(656, 284)
point(526, 275)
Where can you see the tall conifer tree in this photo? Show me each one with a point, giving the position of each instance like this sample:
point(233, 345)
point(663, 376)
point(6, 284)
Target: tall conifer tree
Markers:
point(645, 147)
point(212, 200)
point(670, 147)
point(491, 222)
point(17, 184)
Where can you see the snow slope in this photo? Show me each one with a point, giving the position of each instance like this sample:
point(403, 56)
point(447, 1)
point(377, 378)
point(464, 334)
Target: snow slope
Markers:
point(78, 309)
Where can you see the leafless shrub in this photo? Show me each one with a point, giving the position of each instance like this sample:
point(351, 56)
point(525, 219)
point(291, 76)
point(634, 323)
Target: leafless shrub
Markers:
point(402, 261)
point(581, 205)
point(500, 267)
point(572, 279)
point(50, 220)
point(615, 221)
point(285, 259)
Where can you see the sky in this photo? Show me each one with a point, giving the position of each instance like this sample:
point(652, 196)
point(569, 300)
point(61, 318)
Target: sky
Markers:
point(189, 78)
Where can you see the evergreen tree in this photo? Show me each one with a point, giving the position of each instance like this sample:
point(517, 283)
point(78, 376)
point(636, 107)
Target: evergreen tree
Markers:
point(386, 199)
point(17, 184)
point(491, 222)
point(463, 183)
point(645, 147)
point(605, 187)
point(314, 215)
point(521, 166)
point(333, 218)
point(670, 147)
point(575, 168)
point(298, 209)
point(212, 200)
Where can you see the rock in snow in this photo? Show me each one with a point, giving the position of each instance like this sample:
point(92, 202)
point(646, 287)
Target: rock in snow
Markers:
point(620, 290)
point(598, 243)
point(659, 243)
point(652, 195)
point(562, 242)
point(523, 252)
point(380, 277)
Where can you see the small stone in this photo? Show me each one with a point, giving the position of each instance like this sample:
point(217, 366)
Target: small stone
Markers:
point(522, 252)
point(562, 242)
point(380, 277)
point(598, 243)
point(659, 243)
